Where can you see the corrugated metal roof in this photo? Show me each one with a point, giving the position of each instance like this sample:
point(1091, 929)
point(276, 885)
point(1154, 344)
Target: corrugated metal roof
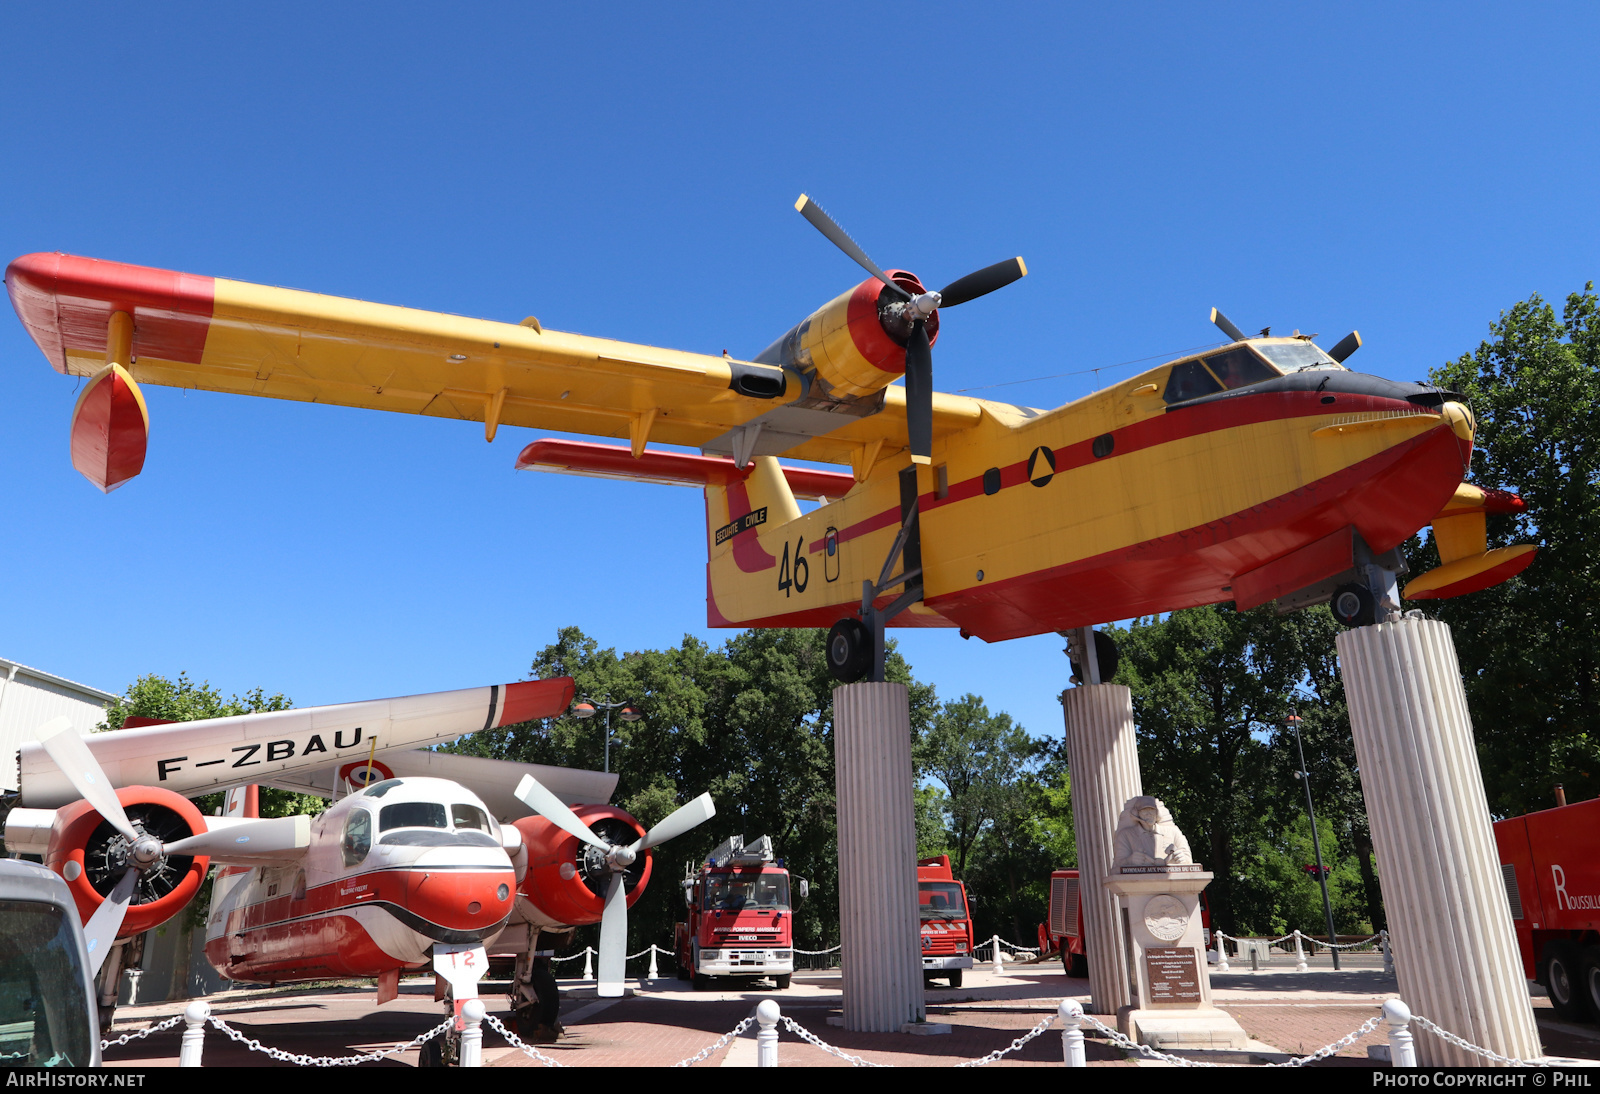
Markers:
point(51, 678)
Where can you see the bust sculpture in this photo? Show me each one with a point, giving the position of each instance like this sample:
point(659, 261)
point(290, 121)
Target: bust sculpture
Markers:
point(1146, 836)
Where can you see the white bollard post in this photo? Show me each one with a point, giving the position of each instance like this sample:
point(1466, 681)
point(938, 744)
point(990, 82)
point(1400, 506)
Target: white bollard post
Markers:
point(194, 1033)
point(1072, 1054)
point(588, 967)
point(1222, 951)
point(1388, 957)
point(472, 1012)
point(654, 975)
point(1402, 1052)
point(997, 968)
point(767, 1036)
point(1299, 953)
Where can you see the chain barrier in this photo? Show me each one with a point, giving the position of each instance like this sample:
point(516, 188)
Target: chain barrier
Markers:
point(1018, 1043)
point(817, 953)
point(718, 1044)
point(806, 1035)
point(1487, 1054)
point(569, 957)
point(518, 1043)
point(1119, 1040)
point(127, 1038)
point(1309, 938)
point(327, 1061)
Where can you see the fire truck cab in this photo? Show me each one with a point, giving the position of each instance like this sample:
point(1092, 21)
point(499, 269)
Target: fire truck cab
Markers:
point(946, 925)
point(740, 921)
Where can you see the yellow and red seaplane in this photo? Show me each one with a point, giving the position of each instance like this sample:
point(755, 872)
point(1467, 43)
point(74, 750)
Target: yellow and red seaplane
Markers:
point(1260, 470)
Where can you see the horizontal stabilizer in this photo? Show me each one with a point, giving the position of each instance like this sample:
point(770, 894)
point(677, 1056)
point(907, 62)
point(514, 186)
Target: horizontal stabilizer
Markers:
point(1468, 575)
point(607, 461)
point(1460, 532)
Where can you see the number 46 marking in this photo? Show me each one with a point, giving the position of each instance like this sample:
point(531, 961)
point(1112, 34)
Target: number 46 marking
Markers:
point(802, 568)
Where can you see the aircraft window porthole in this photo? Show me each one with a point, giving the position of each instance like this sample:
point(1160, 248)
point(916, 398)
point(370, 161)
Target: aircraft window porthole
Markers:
point(1103, 445)
point(991, 481)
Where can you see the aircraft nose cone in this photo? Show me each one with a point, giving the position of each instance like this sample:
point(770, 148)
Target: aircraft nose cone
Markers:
point(1460, 419)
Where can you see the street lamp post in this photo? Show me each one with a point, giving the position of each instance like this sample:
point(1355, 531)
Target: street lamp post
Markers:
point(587, 707)
point(1316, 842)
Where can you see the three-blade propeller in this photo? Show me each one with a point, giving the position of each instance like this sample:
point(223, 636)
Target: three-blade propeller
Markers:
point(618, 857)
point(144, 852)
point(919, 308)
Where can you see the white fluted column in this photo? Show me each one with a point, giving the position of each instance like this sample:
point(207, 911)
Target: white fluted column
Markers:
point(879, 928)
point(1103, 756)
point(1455, 952)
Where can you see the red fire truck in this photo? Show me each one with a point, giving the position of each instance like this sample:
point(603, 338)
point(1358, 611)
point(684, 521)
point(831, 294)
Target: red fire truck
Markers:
point(1550, 862)
point(740, 920)
point(946, 926)
point(1064, 931)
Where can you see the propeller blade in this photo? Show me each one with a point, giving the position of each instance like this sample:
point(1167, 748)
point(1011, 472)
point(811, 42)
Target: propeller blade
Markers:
point(982, 282)
point(841, 239)
point(80, 767)
point(614, 940)
point(1347, 345)
point(532, 793)
point(919, 394)
point(1227, 328)
point(680, 821)
point(259, 837)
point(101, 930)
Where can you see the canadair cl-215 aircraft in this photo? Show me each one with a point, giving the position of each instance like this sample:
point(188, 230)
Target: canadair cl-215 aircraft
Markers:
point(427, 856)
point(1262, 470)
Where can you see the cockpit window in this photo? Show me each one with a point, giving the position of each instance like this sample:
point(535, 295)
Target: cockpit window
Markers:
point(1189, 380)
point(412, 815)
point(469, 816)
point(378, 790)
point(1239, 368)
point(357, 839)
point(1294, 356)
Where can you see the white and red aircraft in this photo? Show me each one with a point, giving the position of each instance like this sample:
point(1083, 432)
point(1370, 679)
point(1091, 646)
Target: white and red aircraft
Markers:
point(408, 866)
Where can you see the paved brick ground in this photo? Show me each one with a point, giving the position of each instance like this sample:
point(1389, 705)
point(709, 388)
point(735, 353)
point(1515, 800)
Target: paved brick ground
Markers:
point(1293, 1013)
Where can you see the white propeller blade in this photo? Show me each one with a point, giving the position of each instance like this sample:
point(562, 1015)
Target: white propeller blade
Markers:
point(259, 837)
point(680, 821)
point(614, 940)
point(101, 930)
point(533, 794)
point(80, 767)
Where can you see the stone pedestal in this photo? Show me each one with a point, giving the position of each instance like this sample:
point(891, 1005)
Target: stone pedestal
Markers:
point(1455, 951)
point(879, 929)
point(1103, 756)
point(1165, 961)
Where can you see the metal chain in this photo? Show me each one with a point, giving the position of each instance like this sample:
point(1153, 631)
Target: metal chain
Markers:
point(709, 1049)
point(569, 957)
point(816, 953)
point(1118, 1039)
point(1328, 1050)
point(805, 1034)
point(127, 1037)
point(518, 1043)
point(1018, 1043)
point(328, 1061)
point(1459, 1042)
point(1309, 938)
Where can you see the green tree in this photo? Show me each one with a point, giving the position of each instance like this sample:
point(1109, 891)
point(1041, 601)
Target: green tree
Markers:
point(1527, 647)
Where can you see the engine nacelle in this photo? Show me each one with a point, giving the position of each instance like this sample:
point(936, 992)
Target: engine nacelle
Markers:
point(855, 343)
point(566, 878)
point(84, 851)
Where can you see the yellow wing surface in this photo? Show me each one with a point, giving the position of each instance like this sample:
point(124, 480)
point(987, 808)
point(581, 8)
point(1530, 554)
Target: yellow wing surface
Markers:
point(215, 334)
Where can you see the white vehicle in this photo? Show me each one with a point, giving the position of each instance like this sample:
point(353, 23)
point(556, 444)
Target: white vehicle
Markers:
point(47, 1006)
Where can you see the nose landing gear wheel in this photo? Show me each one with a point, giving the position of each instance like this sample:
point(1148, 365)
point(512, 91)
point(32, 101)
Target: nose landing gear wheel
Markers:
point(1354, 605)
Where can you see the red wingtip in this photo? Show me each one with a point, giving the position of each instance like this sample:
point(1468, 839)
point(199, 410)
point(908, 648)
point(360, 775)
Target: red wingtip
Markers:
point(1503, 501)
point(530, 699)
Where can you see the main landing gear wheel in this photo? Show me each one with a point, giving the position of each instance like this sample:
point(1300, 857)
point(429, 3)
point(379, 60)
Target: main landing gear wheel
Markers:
point(849, 650)
point(1354, 605)
point(1105, 652)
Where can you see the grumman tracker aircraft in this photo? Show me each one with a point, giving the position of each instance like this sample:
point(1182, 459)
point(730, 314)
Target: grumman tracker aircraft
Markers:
point(1262, 470)
point(408, 867)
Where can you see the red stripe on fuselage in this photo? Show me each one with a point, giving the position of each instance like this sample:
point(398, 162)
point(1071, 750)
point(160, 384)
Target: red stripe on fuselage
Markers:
point(66, 302)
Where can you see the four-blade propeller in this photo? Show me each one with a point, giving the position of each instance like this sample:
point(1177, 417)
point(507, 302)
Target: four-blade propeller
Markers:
point(618, 857)
point(144, 852)
point(919, 308)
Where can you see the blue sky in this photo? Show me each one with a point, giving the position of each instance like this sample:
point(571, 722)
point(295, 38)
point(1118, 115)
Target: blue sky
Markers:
point(630, 171)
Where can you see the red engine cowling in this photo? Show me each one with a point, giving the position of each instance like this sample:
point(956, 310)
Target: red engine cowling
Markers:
point(562, 868)
point(83, 850)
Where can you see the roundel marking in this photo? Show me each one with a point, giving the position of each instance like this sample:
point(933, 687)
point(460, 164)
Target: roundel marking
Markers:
point(1041, 466)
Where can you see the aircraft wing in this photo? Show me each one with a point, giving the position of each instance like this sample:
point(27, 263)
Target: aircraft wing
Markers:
point(220, 335)
point(199, 757)
point(494, 781)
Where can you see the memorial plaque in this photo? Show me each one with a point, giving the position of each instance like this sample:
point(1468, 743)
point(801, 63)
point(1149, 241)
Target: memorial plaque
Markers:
point(1173, 974)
